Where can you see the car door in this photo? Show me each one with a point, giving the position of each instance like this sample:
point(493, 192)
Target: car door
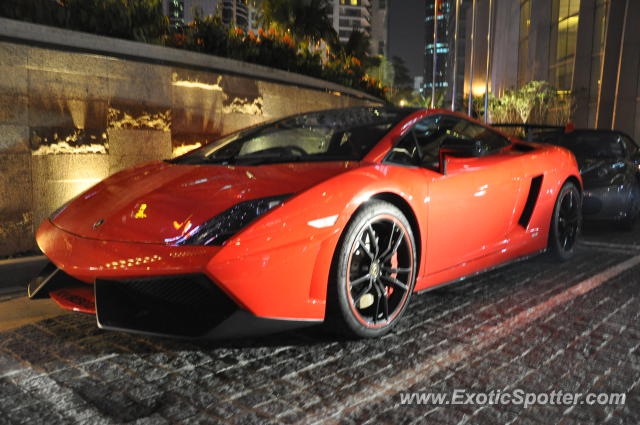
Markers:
point(473, 205)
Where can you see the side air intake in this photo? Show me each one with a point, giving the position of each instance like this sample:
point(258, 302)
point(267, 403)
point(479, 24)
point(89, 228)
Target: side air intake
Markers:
point(534, 191)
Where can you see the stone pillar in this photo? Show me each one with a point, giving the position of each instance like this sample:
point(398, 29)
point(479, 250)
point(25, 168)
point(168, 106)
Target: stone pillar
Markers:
point(624, 109)
point(580, 86)
point(611, 61)
point(504, 66)
point(479, 49)
point(539, 40)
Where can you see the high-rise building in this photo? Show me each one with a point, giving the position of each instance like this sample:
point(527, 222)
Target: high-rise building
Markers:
point(349, 15)
point(445, 49)
point(437, 44)
point(368, 16)
point(233, 12)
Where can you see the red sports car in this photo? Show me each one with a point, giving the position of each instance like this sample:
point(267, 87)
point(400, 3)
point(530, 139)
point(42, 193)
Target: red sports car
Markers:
point(335, 216)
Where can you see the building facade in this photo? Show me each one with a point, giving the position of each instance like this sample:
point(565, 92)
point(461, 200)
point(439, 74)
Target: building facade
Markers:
point(368, 16)
point(233, 12)
point(589, 49)
point(349, 15)
point(380, 27)
point(236, 13)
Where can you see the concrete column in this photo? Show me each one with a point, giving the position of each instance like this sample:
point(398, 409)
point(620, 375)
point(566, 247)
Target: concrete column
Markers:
point(581, 84)
point(539, 40)
point(624, 110)
point(504, 66)
point(480, 47)
point(611, 62)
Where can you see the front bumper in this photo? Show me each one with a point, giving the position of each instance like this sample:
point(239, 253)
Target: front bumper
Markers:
point(284, 281)
point(184, 306)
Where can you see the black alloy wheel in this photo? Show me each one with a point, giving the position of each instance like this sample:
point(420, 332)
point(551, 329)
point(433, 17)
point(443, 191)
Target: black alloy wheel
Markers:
point(566, 222)
point(375, 272)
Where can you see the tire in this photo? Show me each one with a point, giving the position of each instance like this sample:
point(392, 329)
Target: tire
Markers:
point(566, 222)
point(373, 273)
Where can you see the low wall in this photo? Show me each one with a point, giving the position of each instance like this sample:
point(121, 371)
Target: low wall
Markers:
point(76, 108)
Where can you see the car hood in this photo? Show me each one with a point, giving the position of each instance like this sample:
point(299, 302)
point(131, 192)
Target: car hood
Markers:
point(159, 202)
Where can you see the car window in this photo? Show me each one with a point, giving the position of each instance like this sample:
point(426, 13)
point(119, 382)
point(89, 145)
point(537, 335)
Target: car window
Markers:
point(422, 142)
point(421, 145)
point(491, 140)
point(593, 144)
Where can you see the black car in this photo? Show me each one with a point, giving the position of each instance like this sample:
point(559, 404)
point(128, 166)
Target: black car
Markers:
point(609, 163)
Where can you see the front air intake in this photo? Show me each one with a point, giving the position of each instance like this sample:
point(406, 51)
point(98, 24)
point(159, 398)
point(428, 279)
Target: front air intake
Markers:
point(185, 305)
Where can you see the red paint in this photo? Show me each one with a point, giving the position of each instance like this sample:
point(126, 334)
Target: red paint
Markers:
point(79, 299)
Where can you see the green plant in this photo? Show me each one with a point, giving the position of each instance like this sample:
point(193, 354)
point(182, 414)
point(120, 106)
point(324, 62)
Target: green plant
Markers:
point(535, 102)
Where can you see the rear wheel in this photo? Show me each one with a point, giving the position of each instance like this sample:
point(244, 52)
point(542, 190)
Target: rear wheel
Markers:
point(374, 272)
point(566, 222)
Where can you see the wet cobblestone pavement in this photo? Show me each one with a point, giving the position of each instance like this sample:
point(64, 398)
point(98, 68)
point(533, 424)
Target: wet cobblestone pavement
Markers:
point(536, 325)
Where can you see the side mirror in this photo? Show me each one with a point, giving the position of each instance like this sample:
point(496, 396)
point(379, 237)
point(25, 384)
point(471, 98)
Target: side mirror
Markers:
point(459, 147)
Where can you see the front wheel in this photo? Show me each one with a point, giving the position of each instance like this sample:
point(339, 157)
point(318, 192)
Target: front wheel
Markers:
point(566, 222)
point(374, 272)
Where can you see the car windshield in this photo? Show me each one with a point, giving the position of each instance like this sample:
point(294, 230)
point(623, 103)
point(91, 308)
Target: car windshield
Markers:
point(332, 135)
point(593, 145)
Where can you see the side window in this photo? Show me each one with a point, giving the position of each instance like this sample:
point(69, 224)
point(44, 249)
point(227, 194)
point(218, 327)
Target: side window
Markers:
point(422, 142)
point(490, 139)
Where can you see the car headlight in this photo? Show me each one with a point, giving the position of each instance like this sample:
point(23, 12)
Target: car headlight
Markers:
point(229, 222)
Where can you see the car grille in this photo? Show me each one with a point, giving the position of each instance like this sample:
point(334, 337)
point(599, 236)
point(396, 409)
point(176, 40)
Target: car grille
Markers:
point(186, 305)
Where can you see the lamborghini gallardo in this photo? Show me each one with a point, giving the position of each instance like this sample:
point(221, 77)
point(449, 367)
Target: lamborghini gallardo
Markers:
point(336, 216)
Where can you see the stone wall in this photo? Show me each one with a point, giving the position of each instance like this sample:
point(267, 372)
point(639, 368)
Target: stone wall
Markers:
point(76, 108)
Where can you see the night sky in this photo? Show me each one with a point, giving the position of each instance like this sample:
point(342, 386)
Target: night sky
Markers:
point(406, 33)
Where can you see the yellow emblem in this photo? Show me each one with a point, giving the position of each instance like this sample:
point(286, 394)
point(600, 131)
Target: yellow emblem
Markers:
point(140, 213)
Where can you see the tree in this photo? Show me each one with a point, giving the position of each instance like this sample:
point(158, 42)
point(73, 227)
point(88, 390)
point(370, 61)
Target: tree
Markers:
point(382, 71)
point(402, 78)
point(358, 44)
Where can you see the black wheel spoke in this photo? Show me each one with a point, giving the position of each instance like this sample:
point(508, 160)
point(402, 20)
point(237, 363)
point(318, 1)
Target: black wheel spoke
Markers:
point(359, 280)
point(391, 270)
point(389, 245)
point(385, 303)
point(365, 249)
point(378, 296)
point(395, 282)
point(372, 241)
point(396, 245)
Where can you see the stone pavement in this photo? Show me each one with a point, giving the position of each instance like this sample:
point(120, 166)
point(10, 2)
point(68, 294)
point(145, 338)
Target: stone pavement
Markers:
point(536, 325)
